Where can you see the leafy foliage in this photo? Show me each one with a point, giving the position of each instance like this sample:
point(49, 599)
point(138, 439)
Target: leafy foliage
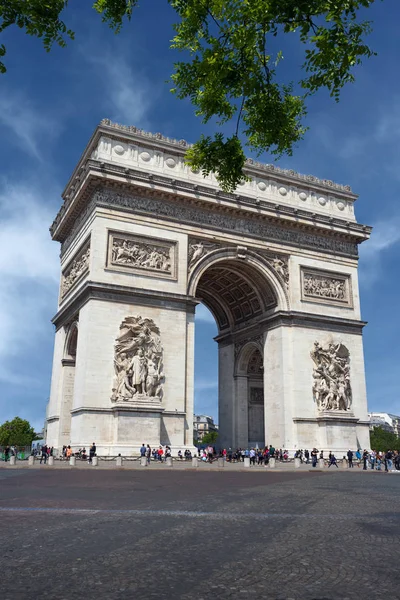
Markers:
point(210, 438)
point(384, 440)
point(17, 432)
point(230, 71)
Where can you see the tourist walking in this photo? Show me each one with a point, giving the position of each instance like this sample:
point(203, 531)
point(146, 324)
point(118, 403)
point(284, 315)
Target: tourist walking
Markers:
point(332, 460)
point(350, 459)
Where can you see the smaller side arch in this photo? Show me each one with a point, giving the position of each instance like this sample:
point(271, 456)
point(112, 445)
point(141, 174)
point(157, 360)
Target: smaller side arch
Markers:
point(71, 341)
point(244, 355)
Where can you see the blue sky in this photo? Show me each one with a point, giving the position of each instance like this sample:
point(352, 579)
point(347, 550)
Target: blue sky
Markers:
point(49, 107)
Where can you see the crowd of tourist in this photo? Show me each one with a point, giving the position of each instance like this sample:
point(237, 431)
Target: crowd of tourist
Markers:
point(368, 460)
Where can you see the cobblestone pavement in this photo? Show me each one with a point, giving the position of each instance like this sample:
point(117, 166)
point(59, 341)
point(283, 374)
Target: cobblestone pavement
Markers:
point(193, 535)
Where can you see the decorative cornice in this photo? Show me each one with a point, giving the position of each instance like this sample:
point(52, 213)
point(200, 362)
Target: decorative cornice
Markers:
point(93, 173)
point(182, 145)
point(123, 295)
point(271, 230)
point(296, 319)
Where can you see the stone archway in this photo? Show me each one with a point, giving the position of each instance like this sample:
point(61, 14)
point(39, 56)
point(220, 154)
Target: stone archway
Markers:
point(240, 291)
point(249, 376)
point(68, 382)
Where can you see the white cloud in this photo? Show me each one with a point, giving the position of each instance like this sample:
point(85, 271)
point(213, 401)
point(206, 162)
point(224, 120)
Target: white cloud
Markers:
point(29, 271)
point(127, 94)
point(385, 235)
point(204, 384)
point(25, 123)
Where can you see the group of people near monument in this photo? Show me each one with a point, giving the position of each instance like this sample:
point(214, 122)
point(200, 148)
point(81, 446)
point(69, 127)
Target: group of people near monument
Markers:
point(158, 454)
point(376, 461)
point(9, 451)
point(81, 454)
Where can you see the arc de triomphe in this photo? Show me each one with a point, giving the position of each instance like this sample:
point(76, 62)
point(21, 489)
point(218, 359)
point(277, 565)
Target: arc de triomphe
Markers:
point(143, 240)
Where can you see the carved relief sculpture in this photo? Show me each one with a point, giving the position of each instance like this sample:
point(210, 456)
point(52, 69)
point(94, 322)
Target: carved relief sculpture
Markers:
point(326, 287)
point(198, 249)
point(257, 340)
point(137, 361)
point(280, 264)
point(75, 270)
point(331, 377)
point(142, 254)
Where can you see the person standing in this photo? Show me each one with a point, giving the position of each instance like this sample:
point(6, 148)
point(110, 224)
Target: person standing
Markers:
point(350, 459)
point(92, 451)
point(252, 455)
point(142, 451)
point(148, 454)
point(388, 460)
point(314, 457)
point(365, 459)
point(6, 453)
point(44, 454)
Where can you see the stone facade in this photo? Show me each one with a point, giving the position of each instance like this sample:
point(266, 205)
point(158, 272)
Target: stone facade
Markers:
point(144, 239)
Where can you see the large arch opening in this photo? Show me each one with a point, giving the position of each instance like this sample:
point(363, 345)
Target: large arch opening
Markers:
point(238, 295)
point(235, 293)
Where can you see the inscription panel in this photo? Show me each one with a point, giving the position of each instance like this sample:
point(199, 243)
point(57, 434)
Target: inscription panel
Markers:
point(148, 256)
point(326, 287)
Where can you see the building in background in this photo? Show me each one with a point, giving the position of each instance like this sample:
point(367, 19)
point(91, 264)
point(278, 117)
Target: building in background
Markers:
point(202, 424)
point(387, 421)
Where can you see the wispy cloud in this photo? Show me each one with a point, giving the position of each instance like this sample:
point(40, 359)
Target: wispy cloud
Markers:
point(386, 235)
point(204, 384)
point(25, 124)
point(127, 93)
point(349, 143)
point(29, 271)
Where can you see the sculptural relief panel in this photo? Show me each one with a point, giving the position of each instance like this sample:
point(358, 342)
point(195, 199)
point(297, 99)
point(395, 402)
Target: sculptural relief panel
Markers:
point(331, 377)
point(148, 256)
point(138, 362)
point(199, 248)
point(76, 269)
point(326, 287)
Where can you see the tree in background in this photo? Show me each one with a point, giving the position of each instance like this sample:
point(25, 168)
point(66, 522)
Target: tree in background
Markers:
point(383, 440)
point(17, 432)
point(210, 438)
point(232, 68)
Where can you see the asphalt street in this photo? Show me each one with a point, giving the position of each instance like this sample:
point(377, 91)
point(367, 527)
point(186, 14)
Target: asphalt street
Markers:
point(115, 535)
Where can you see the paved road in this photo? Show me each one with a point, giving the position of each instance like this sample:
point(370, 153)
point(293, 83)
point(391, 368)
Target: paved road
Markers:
point(117, 535)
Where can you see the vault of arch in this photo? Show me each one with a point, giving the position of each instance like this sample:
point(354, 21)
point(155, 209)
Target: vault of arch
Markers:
point(71, 341)
point(236, 290)
point(250, 360)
